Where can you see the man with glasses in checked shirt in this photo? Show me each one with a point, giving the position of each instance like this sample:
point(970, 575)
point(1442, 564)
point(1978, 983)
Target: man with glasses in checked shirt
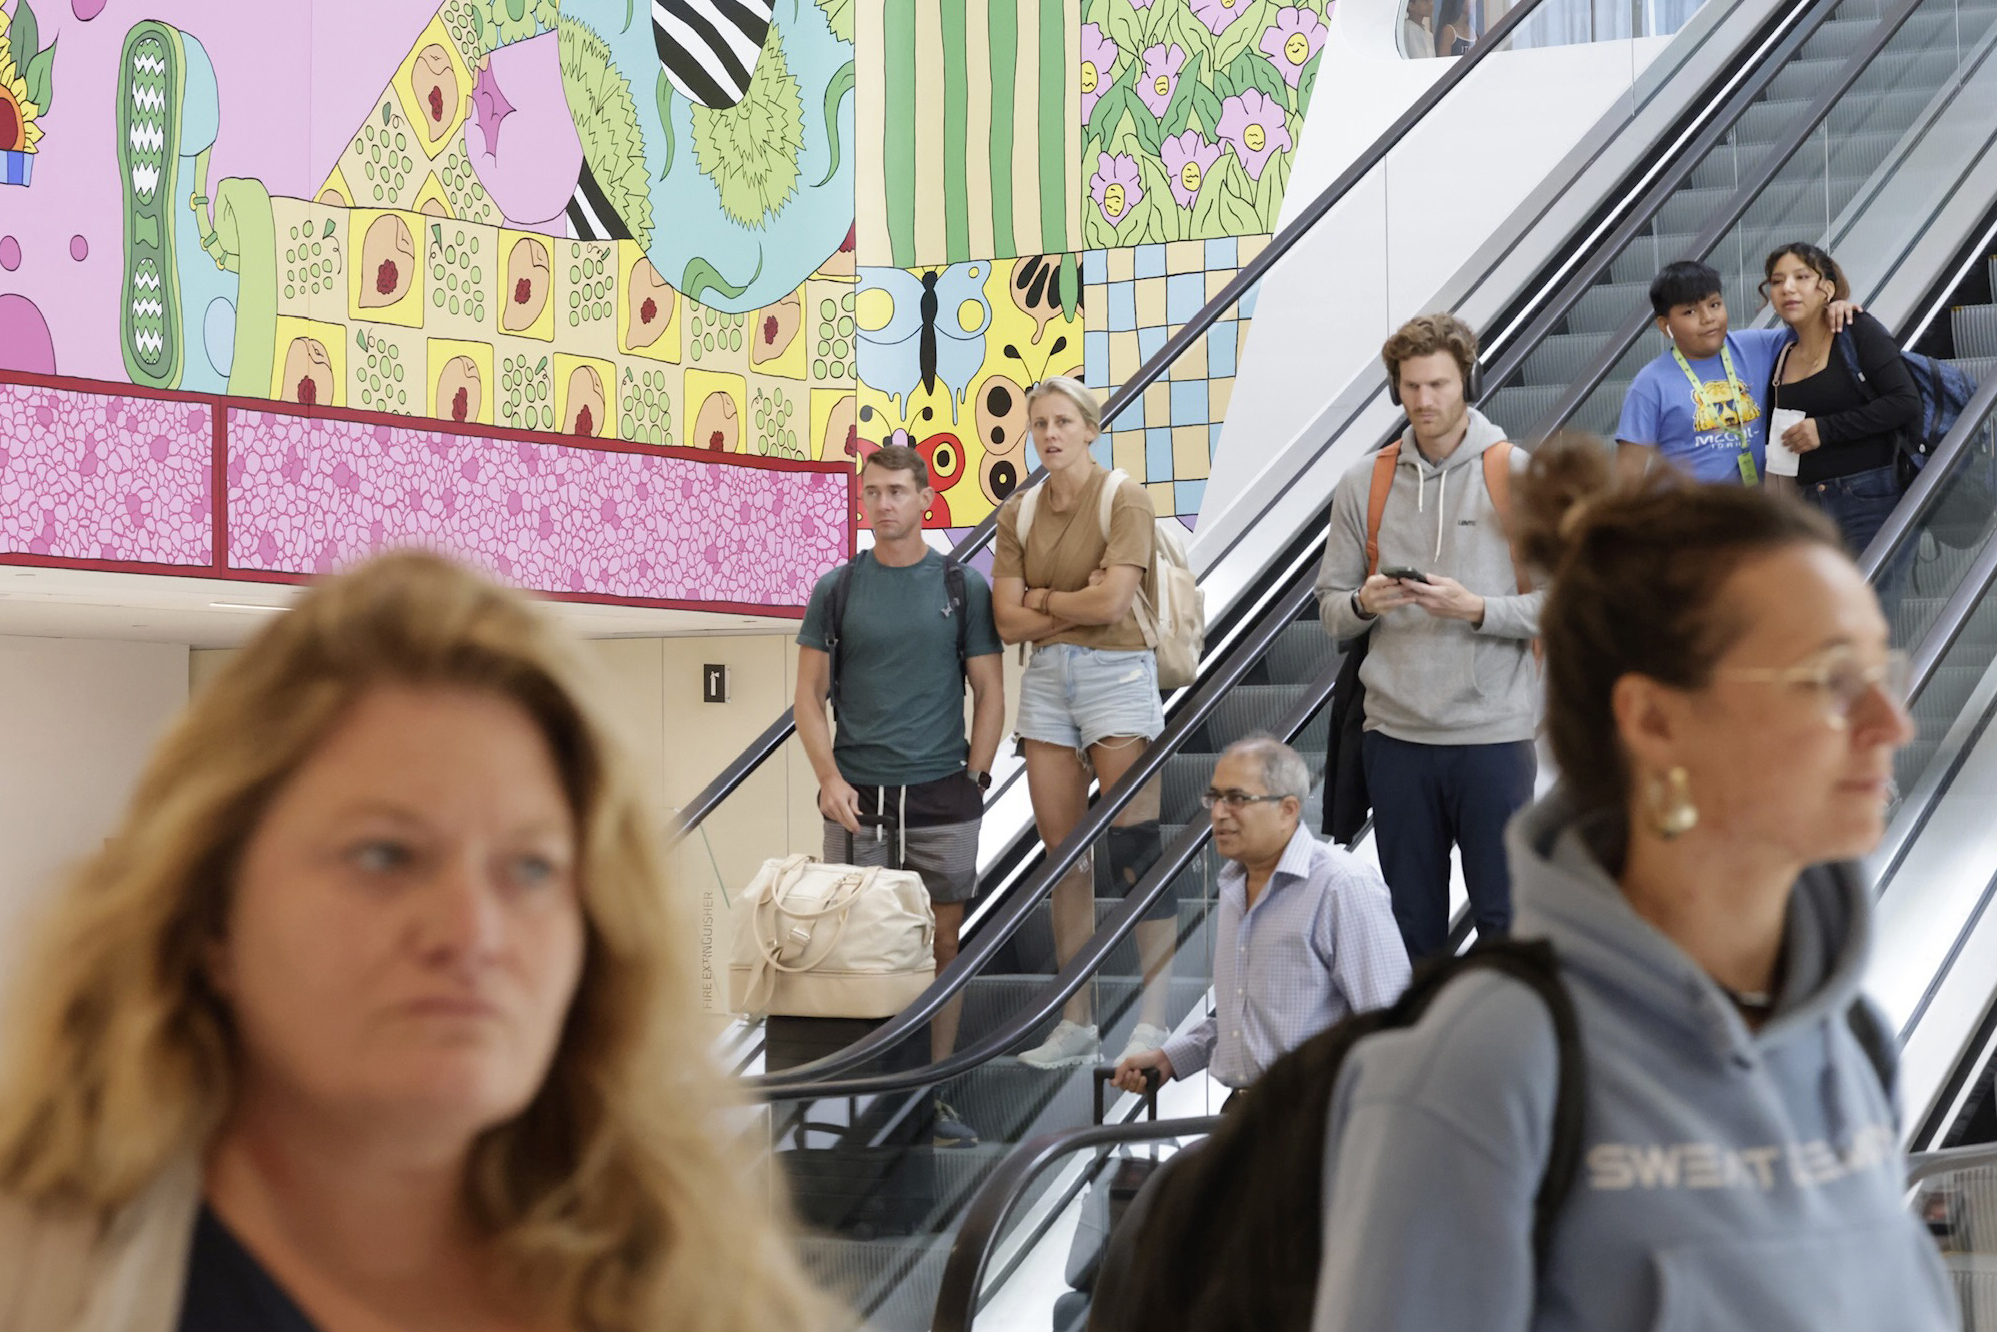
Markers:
point(1306, 931)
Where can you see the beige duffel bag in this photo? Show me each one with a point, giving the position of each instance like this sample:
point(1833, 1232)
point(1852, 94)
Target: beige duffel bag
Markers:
point(819, 940)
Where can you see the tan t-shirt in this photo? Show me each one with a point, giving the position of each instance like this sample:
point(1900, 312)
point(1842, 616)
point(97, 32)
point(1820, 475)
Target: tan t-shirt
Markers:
point(1064, 548)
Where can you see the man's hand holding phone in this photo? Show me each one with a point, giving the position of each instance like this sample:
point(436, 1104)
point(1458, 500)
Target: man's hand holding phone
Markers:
point(1382, 593)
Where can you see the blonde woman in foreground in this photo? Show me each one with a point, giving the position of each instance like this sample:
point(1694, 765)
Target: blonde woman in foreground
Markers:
point(375, 1015)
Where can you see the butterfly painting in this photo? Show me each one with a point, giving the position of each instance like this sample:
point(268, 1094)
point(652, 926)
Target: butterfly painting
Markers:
point(928, 328)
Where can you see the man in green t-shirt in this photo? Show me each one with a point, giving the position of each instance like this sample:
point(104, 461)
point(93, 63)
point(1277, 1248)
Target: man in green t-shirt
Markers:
point(901, 761)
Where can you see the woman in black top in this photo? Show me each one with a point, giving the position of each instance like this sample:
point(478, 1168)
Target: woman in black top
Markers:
point(1850, 438)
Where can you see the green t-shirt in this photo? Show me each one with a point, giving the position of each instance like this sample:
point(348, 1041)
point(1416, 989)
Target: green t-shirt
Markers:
point(901, 702)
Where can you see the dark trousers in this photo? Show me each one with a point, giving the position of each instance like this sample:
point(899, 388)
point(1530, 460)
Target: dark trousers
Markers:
point(1427, 798)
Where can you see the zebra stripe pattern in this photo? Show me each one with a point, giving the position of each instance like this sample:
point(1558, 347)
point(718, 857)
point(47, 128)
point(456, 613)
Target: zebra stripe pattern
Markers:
point(590, 214)
point(709, 48)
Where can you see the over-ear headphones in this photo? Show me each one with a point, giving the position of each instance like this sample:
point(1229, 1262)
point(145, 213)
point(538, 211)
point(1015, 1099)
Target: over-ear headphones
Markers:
point(1473, 385)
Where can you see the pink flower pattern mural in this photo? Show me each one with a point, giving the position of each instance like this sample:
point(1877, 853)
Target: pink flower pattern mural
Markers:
point(123, 480)
point(306, 495)
point(102, 476)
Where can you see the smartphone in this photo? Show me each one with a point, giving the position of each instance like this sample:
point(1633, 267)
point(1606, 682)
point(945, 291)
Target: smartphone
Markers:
point(1402, 571)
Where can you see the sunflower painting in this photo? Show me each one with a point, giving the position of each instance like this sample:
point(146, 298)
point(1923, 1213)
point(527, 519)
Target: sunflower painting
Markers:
point(26, 72)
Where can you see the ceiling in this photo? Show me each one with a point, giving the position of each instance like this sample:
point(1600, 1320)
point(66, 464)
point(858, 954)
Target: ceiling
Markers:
point(207, 612)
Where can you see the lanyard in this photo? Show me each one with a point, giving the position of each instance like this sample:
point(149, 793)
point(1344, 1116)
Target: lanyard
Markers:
point(1744, 458)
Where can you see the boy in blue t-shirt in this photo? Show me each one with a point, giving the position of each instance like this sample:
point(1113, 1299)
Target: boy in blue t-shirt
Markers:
point(1700, 405)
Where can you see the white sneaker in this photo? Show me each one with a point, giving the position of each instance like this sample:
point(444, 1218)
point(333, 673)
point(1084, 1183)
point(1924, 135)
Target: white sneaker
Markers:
point(1069, 1047)
point(1143, 1040)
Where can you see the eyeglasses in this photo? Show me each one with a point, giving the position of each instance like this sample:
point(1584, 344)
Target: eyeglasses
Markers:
point(1233, 799)
point(1840, 675)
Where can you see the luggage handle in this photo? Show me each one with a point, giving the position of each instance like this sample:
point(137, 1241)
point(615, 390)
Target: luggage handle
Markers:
point(1152, 1081)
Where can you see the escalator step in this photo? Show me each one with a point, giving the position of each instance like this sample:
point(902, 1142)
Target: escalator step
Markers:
point(1975, 330)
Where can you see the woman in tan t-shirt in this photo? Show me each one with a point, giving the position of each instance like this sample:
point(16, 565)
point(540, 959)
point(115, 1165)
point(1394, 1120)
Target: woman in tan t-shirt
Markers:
point(1089, 697)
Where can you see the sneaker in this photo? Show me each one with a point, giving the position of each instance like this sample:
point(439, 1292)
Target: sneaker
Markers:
point(950, 1130)
point(1070, 1046)
point(1143, 1040)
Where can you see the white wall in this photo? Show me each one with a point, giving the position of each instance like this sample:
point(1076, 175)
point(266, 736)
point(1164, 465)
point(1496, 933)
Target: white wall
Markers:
point(1383, 254)
point(78, 718)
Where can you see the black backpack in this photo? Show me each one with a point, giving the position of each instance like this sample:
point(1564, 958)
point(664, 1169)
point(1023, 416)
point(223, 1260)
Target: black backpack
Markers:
point(1228, 1235)
point(835, 617)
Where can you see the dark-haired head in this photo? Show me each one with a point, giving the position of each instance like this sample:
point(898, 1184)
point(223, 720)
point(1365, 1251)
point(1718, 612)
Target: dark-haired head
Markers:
point(1687, 282)
point(1800, 279)
point(1708, 636)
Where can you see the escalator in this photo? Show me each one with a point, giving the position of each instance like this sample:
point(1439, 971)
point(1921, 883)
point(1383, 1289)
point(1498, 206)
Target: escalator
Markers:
point(853, 1124)
point(1007, 1264)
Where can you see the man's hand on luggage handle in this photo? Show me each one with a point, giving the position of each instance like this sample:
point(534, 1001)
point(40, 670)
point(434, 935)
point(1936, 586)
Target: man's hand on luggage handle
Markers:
point(838, 801)
point(1130, 1073)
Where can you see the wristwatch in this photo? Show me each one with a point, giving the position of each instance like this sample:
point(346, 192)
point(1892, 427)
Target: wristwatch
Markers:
point(983, 779)
point(1359, 607)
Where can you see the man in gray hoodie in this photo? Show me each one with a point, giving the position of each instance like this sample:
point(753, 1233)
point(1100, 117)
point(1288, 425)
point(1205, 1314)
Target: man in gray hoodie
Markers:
point(1452, 690)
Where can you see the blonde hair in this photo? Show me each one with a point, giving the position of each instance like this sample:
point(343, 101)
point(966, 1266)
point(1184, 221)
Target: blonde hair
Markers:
point(621, 1194)
point(1075, 391)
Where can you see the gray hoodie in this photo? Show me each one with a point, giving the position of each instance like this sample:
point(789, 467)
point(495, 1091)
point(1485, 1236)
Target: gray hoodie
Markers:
point(1729, 1179)
point(1428, 680)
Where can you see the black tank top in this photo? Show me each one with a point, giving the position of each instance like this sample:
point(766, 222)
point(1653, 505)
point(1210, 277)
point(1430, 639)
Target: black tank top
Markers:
point(228, 1289)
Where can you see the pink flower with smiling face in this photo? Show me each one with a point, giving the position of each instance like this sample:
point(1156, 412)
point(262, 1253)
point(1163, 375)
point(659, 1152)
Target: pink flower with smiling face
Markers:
point(1219, 15)
point(1291, 41)
point(1253, 123)
point(1116, 187)
point(1187, 160)
point(1098, 56)
point(1160, 76)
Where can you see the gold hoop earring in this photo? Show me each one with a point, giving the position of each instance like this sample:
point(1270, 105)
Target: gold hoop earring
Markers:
point(1672, 813)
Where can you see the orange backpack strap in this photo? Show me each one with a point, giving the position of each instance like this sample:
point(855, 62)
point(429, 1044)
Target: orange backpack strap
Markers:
point(1498, 481)
point(1384, 463)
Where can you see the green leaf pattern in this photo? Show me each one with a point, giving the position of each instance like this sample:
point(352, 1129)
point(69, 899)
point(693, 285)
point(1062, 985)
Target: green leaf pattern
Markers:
point(1217, 68)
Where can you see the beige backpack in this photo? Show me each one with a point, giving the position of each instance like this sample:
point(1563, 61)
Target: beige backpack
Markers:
point(1170, 609)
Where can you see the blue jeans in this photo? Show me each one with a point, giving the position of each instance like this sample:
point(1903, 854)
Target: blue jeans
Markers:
point(1859, 503)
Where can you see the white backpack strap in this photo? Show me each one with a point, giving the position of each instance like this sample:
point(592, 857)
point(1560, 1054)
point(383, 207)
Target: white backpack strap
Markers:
point(1029, 504)
point(1106, 507)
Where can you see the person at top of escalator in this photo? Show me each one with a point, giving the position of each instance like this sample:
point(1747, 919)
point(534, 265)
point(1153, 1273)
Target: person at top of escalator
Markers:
point(1702, 404)
point(1072, 556)
point(1418, 564)
point(893, 638)
point(375, 1011)
point(1725, 712)
point(1852, 388)
point(1305, 931)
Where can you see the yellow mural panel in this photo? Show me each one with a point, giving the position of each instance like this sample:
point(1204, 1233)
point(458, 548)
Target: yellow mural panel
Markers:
point(310, 367)
point(585, 389)
point(384, 276)
point(717, 406)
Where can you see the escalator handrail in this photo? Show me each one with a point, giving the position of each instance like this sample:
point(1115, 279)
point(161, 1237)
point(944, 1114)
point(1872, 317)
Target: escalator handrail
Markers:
point(1785, 148)
point(774, 736)
point(825, 1076)
point(1922, 497)
point(816, 1078)
point(999, 1196)
point(1921, 1166)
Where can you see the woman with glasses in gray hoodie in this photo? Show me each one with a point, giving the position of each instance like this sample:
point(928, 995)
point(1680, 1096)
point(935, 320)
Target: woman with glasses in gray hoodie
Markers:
point(1724, 710)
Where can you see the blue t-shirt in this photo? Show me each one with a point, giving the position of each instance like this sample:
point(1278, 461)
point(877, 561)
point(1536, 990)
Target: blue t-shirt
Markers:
point(901, 703)
point(1699, 436)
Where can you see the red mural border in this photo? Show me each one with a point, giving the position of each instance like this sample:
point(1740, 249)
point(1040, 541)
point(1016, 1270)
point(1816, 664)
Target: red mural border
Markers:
point(220, 405)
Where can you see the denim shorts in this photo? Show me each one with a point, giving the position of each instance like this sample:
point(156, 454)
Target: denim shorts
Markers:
point(1075, 696)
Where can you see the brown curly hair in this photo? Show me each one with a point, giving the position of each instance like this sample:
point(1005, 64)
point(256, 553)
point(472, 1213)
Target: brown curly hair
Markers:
point(1425, 335)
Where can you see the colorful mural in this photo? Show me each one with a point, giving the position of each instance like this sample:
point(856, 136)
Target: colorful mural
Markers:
point(1192, 110)
point(541, 217)
point(499, 228)
point(1137, 299)
point(1120, 159)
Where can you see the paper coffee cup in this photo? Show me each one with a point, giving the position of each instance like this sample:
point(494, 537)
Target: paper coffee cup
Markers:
point(1782, 460)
